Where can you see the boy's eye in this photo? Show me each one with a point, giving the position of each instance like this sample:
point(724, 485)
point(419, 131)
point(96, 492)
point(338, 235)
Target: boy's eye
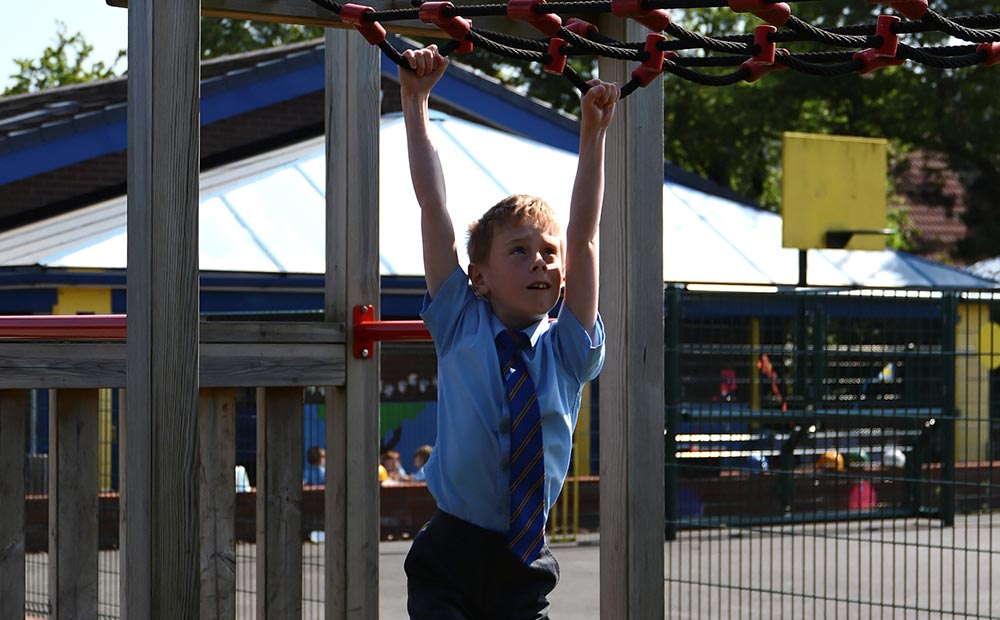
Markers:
point(517, 249)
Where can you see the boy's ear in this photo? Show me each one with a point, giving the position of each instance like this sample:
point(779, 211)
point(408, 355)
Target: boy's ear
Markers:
point(478, 280)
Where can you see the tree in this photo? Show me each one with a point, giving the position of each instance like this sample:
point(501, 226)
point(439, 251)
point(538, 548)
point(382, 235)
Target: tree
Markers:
point(66, 62)
point(224, 36)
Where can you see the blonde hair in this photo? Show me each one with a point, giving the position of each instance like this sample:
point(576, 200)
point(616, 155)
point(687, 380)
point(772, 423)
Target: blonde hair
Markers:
point(516, 209)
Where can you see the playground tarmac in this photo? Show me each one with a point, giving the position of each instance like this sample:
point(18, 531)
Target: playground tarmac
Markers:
point(894, 568)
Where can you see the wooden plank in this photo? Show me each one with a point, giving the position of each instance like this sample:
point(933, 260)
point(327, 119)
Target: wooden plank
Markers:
point(279, 503)
point(261, 365)
point(308, 13)
point(73, 429)
point(352, 278)
point(43, 365)
point(217, 448)
point(631, 399)
point(273, 332)
point(14, 409)
point(160, 572)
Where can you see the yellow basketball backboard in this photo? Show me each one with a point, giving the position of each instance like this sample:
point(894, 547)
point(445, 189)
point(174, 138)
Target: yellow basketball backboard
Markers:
point(833, 184)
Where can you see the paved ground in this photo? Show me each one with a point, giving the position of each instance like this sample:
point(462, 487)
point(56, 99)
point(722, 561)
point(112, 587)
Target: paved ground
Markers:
point(903, 568)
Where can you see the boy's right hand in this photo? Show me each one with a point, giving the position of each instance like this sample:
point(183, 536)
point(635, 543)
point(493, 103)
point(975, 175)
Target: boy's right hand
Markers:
point(426, 68)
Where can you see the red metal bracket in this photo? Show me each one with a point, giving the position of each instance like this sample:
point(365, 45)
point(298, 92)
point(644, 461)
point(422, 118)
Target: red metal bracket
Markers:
point(579, 27)
point(910, 9)
point(890, 40)
point(763, 61)
point(653, 65)
point(656, 19)
point(524, 10)
point(367, 331)
point(557, 64)
point(774, 13)
point(992, 51)
point(455, 27)
point(373, 32)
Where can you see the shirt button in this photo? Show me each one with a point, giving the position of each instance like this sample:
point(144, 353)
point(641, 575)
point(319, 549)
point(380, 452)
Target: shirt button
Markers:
point(505, 424)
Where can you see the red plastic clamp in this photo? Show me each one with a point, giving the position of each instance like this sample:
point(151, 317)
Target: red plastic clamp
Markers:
point(890, 40)
point(774, 13)
point(910, 9)
point(557, 64)
point(762, 62)
point(656, 20)
point(373, 32)
point(872, 60)
point(524, 10)
point(455, 27)
point(992, 51)
point(653, 65)
point(579, 27)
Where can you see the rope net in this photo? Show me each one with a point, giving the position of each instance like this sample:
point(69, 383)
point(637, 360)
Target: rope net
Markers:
point(682, 52)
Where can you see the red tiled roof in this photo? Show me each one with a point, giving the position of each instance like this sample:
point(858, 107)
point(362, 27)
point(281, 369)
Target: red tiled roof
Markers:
point(933, 193)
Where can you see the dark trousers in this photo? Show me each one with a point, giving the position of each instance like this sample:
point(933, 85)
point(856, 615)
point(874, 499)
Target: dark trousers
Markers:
point(459, 571)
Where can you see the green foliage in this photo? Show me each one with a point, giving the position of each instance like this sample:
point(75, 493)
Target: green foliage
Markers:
point(225, 36)
point(64, 63)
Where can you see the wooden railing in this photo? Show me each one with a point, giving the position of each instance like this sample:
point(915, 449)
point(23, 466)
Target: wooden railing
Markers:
point(279, 359)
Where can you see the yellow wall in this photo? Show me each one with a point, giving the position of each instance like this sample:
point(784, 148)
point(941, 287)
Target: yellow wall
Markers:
point(972, 382)
point(94, 301)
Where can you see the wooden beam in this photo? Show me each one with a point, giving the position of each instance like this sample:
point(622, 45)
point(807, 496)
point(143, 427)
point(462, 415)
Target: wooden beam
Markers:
point(308, 13)
point(279, 503)
point(631, 400)
point(43, 365)
point(217, 446)
point(73, 487)
point(160, 565)
point(352, 278)
point(14, 410)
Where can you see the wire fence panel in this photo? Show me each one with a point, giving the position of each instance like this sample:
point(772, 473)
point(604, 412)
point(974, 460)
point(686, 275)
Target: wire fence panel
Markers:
point(832, 454)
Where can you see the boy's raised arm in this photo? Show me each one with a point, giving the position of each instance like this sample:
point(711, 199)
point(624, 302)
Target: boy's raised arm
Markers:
point(438, 233)
point(597, 107)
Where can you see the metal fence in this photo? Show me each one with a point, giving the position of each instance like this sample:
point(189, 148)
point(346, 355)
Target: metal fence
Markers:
point(832, 454)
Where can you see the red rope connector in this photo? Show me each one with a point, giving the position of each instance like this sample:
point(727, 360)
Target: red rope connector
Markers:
point(557, 64)
point(763, 61)
point(992, 51)
point(872, 60)
point(653, 65)
point(890, 40)
point(579, 27)
point(455, 27)
point(912, 10)
point(776, 13)
point(373, 32)
point(656, 20)
point(524, 10)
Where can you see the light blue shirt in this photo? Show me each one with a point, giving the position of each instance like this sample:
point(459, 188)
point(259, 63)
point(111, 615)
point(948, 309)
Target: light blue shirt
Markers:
point(468, 472)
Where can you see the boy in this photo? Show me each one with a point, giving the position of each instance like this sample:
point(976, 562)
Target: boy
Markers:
point(510, 382)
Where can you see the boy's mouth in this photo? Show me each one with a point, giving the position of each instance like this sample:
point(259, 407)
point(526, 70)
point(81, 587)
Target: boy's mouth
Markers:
point(542, 286)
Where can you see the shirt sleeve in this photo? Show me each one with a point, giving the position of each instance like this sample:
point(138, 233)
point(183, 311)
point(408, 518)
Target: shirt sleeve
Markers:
point(442, 313)
point(581, 354)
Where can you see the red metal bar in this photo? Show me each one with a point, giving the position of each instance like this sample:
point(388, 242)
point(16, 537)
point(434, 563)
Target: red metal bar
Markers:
point(64, 327)
point(367, 331)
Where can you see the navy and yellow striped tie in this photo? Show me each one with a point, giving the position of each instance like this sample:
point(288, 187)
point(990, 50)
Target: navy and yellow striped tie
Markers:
point(527, 466)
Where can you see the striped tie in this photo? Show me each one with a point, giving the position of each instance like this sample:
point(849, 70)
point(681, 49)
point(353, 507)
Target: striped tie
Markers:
point(527, 467)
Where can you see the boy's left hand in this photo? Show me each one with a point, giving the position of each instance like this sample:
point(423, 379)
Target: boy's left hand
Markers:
point(598, 104)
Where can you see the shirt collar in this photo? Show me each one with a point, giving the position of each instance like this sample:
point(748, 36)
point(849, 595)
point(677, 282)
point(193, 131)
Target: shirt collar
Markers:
point(533, 332)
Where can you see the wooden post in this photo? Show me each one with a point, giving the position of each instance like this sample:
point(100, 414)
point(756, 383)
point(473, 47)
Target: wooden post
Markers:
point(352, 278)
point(160, 520)
point(279, 503)
point(631, 400)
point(73, 429)
point(14, 408)
point(217, 446)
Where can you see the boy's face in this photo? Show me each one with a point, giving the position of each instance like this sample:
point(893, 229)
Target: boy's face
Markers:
point(523, 273)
